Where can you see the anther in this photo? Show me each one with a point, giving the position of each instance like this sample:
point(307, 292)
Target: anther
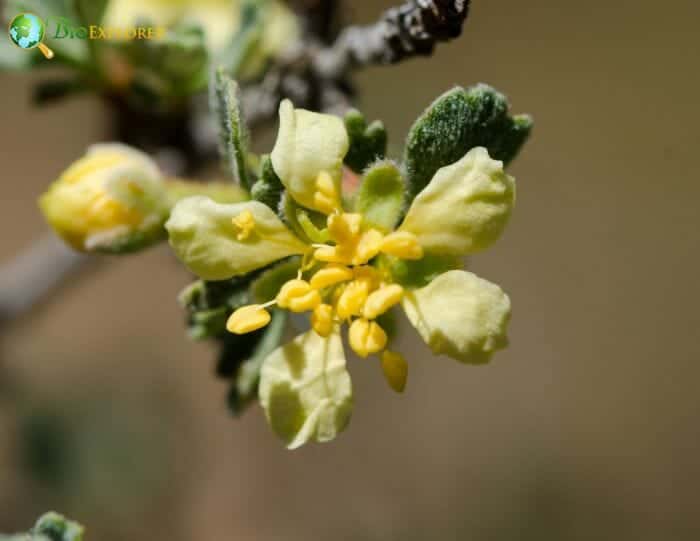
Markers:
point(395, 370)
point(369, 245)
point(330, 276)
point(322, 320)
point(403, 245)
point(382, 300)
point(366, 337)
point(352, 299)
point(248, 319)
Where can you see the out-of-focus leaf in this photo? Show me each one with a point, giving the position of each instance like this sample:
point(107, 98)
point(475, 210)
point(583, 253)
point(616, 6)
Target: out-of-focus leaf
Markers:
point(50, 91)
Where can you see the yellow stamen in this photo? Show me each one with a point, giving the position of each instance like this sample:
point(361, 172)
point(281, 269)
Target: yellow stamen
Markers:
point(344, 228)
point(333, 254)
point(366, 337)
point(330, 276)
point(352, 299)
point(244, 224)
point(322, 320)
point(381, 300)
point(292, 290)
point(395, 370)
point(306, 302)
point(369, 245)
point(402, 244)
point(248, 319)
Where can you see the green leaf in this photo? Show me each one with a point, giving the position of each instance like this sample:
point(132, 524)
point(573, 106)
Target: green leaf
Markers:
point(268, 188)
point(233, 134)
point(367, 143)
point(305, 389)
point(457, 122)
point(245, 383)
point(269, 282)
point(380, 197)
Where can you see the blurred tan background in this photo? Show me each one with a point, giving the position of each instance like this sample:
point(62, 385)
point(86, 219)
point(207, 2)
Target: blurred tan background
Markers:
point(586, 428)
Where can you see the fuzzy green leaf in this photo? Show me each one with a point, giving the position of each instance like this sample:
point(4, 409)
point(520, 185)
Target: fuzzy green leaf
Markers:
point(367, 143)
point(456, 122)
point(380, 198)
point(233, 134)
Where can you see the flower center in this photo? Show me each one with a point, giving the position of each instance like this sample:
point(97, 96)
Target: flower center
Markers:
point(341, 286)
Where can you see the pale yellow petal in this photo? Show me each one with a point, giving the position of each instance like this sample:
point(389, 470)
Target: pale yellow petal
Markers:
point(460, 315)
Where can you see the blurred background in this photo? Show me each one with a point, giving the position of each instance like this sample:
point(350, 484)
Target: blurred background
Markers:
point(585, 428)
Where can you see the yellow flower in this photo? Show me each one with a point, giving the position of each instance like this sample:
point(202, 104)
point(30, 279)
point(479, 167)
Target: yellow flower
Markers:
point(112, 199)
point(360, 272)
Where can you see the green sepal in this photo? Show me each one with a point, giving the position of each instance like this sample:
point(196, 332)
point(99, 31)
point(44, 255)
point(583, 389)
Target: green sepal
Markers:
point(380, 197)
point(307, 224)
point(57, 528)
point(244, 389)
point(456, 122)
point(416, 274)
point(269, 282)
point(268, 188)
point(367, 143)
point(133, 242)
point(233, 133)
point(209, 304)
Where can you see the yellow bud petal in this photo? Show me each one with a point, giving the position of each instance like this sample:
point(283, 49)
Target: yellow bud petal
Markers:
point(292, 290)
point(248, 319)
point(369, 245)
point(352, 300)
point(331, 275)
point(322, 320)
point(395, 370)
point(366, 337)
point(326, 197)
point(306, 302)
point(402, 244)
point(325, 185)
point(381, 300)
point(325, 204)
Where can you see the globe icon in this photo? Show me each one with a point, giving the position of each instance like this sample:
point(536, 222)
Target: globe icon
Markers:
point(27, 30)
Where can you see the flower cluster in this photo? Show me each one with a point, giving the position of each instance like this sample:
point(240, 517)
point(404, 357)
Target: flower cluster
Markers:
point(359, 257)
